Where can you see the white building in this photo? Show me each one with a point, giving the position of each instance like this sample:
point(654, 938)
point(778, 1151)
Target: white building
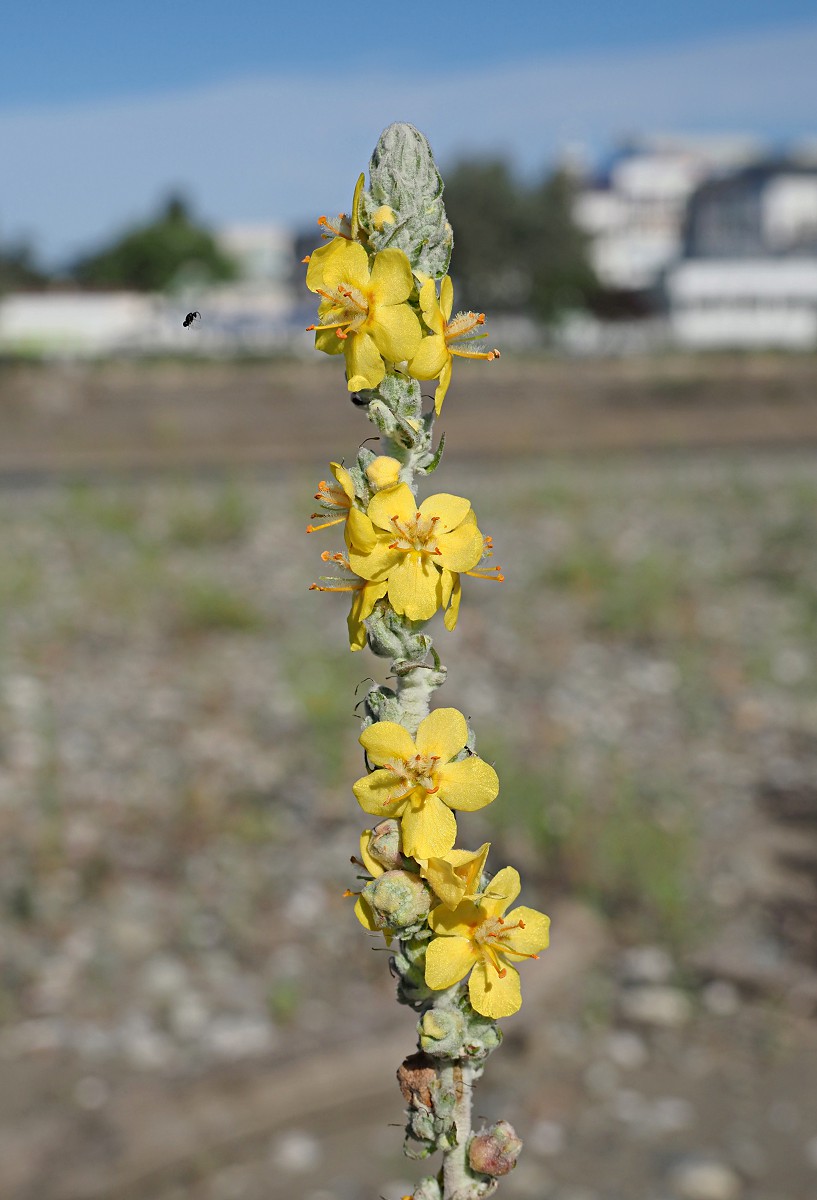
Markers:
point(73, 323)
point(748, 276)
point(743, 303)
point(257, 313)
point(634, 215)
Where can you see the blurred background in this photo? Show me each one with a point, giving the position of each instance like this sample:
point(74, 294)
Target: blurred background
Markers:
point(187, 1005)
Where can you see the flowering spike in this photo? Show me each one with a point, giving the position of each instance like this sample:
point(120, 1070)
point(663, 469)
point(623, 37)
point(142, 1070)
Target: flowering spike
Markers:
point(454, 946)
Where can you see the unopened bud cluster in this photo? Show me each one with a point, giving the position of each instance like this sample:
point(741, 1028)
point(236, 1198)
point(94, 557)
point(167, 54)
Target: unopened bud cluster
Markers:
point(385, 303)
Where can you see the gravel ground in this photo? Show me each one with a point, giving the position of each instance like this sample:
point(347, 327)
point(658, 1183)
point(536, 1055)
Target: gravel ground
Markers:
point(177, 747)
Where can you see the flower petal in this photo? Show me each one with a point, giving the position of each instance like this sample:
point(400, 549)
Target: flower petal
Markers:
point(500, 892)
point(491, 995)
point(430, 307)
point(429, 829)
point(448, 960)
point(387, 741)
point(453, 609)
point(319, 259)
point(373, 792)
point(343, 263)
point(443, 733)
point(456, 875)
point(390, 504)
point(374, 564)
point(364, 914)
point(431, 356)
point(360, 532)
point(462, 921)
point(443, 386)
point(535, 935)
point(391, 277)
point(446, 296)
point(344, 479)
point(363, 602)
point(451, 511)
point(327, 341)
point(414, 587)
point(463, 547)
point(371, 864)
point(444, 881)
point(469, 784)
point(396, 331)
point(364, 365)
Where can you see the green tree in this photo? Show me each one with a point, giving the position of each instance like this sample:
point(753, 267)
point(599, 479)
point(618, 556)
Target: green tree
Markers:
point(18, 268)
point(154, 256)
point(561, 275)
point(517, 247)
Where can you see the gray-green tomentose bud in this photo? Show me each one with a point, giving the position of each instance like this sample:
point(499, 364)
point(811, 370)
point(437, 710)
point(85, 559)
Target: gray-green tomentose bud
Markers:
point(442, 1031)
point(400, 902)
point(458, 1032)
point(385, 845)
point(403, 207)
point(494, 1151)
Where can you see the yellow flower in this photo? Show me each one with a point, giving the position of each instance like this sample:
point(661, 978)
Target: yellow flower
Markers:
point(433, 359)
point(455, 876)
point(417, 780)
point(416, 551)
point(480, 939)
point(334, 499)
point(365, 595)
point(363, 311)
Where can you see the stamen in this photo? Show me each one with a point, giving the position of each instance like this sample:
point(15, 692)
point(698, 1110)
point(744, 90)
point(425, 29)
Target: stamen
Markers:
point(326, 524)
point(488, 573)
point(348, 587)
point(491, 955)
point(489, 356)
point(325, 222)
point(334, 325)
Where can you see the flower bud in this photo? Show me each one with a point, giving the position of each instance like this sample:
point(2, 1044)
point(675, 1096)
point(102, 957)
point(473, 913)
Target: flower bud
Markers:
point(384, 844)
point(441, 1032)
point(383, 471)
point(494, 1151)
point(383, 216)
point(404, 178)
point(399, 901)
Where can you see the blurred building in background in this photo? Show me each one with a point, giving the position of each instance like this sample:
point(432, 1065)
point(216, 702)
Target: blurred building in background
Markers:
point(634, 210)
point(747, 275)
point(694, 242)
point(256, 313)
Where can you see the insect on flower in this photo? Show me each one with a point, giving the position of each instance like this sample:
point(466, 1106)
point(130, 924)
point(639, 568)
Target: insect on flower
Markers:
point(190, 318)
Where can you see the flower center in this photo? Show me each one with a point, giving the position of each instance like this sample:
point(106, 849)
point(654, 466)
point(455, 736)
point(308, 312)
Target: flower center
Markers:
point(350, 309)
point(418, 772)
point(418, 534)
point(489, 938)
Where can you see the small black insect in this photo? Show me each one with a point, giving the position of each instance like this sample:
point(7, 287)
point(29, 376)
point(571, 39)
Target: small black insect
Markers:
point(190, 318)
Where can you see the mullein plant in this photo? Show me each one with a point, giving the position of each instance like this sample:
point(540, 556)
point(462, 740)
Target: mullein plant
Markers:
point(385, 305)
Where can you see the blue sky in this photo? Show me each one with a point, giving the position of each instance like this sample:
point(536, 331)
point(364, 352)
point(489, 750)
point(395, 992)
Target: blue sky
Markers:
point(268, 115)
